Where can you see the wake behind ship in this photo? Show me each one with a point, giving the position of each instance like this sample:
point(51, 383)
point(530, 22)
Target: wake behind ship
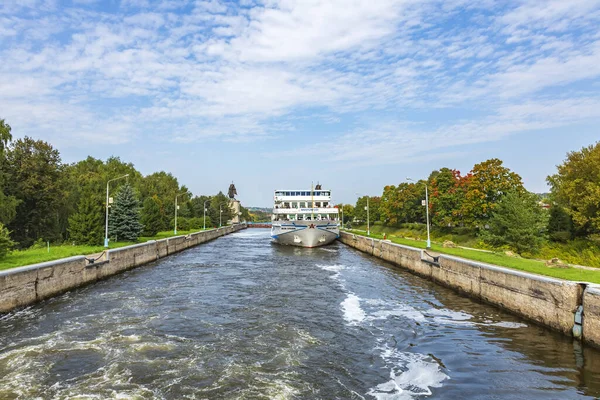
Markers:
point(304, 218)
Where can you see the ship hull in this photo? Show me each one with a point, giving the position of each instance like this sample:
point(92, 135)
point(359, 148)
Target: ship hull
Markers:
point(305, 233)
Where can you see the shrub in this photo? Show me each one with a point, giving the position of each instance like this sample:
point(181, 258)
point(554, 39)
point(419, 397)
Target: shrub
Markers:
point(560, 236)
point(6, 244)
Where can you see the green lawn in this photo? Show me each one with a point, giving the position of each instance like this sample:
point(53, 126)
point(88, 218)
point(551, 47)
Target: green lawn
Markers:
point(19, 258)
point(500, 259)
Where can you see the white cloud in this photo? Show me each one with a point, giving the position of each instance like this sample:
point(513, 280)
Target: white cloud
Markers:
point(222, 71)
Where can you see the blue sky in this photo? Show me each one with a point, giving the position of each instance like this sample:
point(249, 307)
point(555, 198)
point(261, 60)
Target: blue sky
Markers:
point(356, 94)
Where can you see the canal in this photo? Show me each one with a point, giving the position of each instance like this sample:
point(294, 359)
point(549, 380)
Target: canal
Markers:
point(241, 318)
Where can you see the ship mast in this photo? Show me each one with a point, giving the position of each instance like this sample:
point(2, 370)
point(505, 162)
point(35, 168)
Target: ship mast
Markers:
point(312, 200)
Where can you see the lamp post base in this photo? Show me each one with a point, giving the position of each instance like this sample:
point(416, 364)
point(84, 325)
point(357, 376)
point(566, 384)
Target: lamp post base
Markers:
point(105, 242)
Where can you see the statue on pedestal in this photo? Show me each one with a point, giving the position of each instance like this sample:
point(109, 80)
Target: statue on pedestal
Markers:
point(232, 191)
point(234, 204)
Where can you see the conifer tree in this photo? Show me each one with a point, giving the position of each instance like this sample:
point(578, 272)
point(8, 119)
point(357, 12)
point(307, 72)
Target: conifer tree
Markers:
point(152, 218)
point(124, 222)
point(86, 226)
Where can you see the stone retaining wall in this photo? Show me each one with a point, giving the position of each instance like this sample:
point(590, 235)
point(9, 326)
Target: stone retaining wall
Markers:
point(547, 301)
point(26, 285)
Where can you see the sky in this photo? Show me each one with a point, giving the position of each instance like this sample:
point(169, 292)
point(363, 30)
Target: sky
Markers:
point(276, 94)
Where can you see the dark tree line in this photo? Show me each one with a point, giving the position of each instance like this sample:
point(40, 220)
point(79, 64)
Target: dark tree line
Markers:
point(42, 198)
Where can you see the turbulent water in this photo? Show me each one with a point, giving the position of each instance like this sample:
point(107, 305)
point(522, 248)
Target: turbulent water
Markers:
point(241, 318)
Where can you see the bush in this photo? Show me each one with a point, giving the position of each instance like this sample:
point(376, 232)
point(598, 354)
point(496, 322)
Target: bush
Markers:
point(560, 236)
point(6, 244)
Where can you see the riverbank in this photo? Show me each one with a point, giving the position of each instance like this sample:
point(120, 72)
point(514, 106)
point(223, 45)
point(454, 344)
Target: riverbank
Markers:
point(35, 255)
point(575, 252)
point(501, 259)
point(26, 285)
point(572, 308)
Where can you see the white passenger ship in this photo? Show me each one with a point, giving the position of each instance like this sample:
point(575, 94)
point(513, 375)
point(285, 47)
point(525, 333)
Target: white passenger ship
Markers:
point(304, 218)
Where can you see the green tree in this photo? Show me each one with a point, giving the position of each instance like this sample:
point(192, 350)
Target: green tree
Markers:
point(218, 203)
point(360, 211)
point(348, 212)
point(6, 244)
point(576, 187)
point(33, 174)
point(446, 196)
point(86, 226)
point(402, 204)
point(124, 222)
point(8, 204)
point(485, 186)
point(5, 135)
point(517, 222)
point(560, 224)
point(152, 216)
point(165, 187)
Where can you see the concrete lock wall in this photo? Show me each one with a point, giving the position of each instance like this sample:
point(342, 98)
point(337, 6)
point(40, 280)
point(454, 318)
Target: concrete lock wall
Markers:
point(26, 285)
point(591, 314)
point(544, 300)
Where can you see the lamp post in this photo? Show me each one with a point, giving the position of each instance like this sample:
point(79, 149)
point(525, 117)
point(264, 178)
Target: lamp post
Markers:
point(205, 213)
point(220, 214)
point(106, 224)
point(176, 208)
point(342, 224)
point(427, 212)
point(368, 222)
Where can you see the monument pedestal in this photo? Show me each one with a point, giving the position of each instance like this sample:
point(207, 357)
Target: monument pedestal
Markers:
point(234, 205)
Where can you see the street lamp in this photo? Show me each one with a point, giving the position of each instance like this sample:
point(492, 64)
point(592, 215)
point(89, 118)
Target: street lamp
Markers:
point(220, 213)
point(342, 224)
point(427, 211)
point(106, 225)
point(176, 208)
point(367, 208)
point(205, 213)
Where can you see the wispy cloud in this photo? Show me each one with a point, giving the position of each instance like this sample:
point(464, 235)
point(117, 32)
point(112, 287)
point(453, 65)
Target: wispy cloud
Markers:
point(216, 69)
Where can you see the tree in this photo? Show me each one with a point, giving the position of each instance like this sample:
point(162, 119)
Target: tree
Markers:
point(360, 212)
point(124, 222)
point(485, 186)
point(560, 224)
point(446, 196)
point(152, 216)
point(165, 187)
point(348, 212)
point(517, 222)
point(86, 226)
point(576, 187)
point(8, 204)
point(218, 203)
point(6, 244)
point(33, 173)
point(402, 204)
point(5, 135)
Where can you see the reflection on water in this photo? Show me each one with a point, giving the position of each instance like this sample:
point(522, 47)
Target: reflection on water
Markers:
point(243, 318)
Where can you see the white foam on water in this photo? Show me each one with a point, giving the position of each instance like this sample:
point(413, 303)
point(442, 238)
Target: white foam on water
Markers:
point(411, 375)
point(352, 311)
point(403, 310)
point(328, 250)
point(332, 268)
point(506, 324)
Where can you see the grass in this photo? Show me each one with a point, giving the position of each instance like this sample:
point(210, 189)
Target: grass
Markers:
point(500, 259)
point(19, 258)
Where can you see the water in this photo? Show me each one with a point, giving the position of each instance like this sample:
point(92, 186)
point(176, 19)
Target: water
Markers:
point(241, 318)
